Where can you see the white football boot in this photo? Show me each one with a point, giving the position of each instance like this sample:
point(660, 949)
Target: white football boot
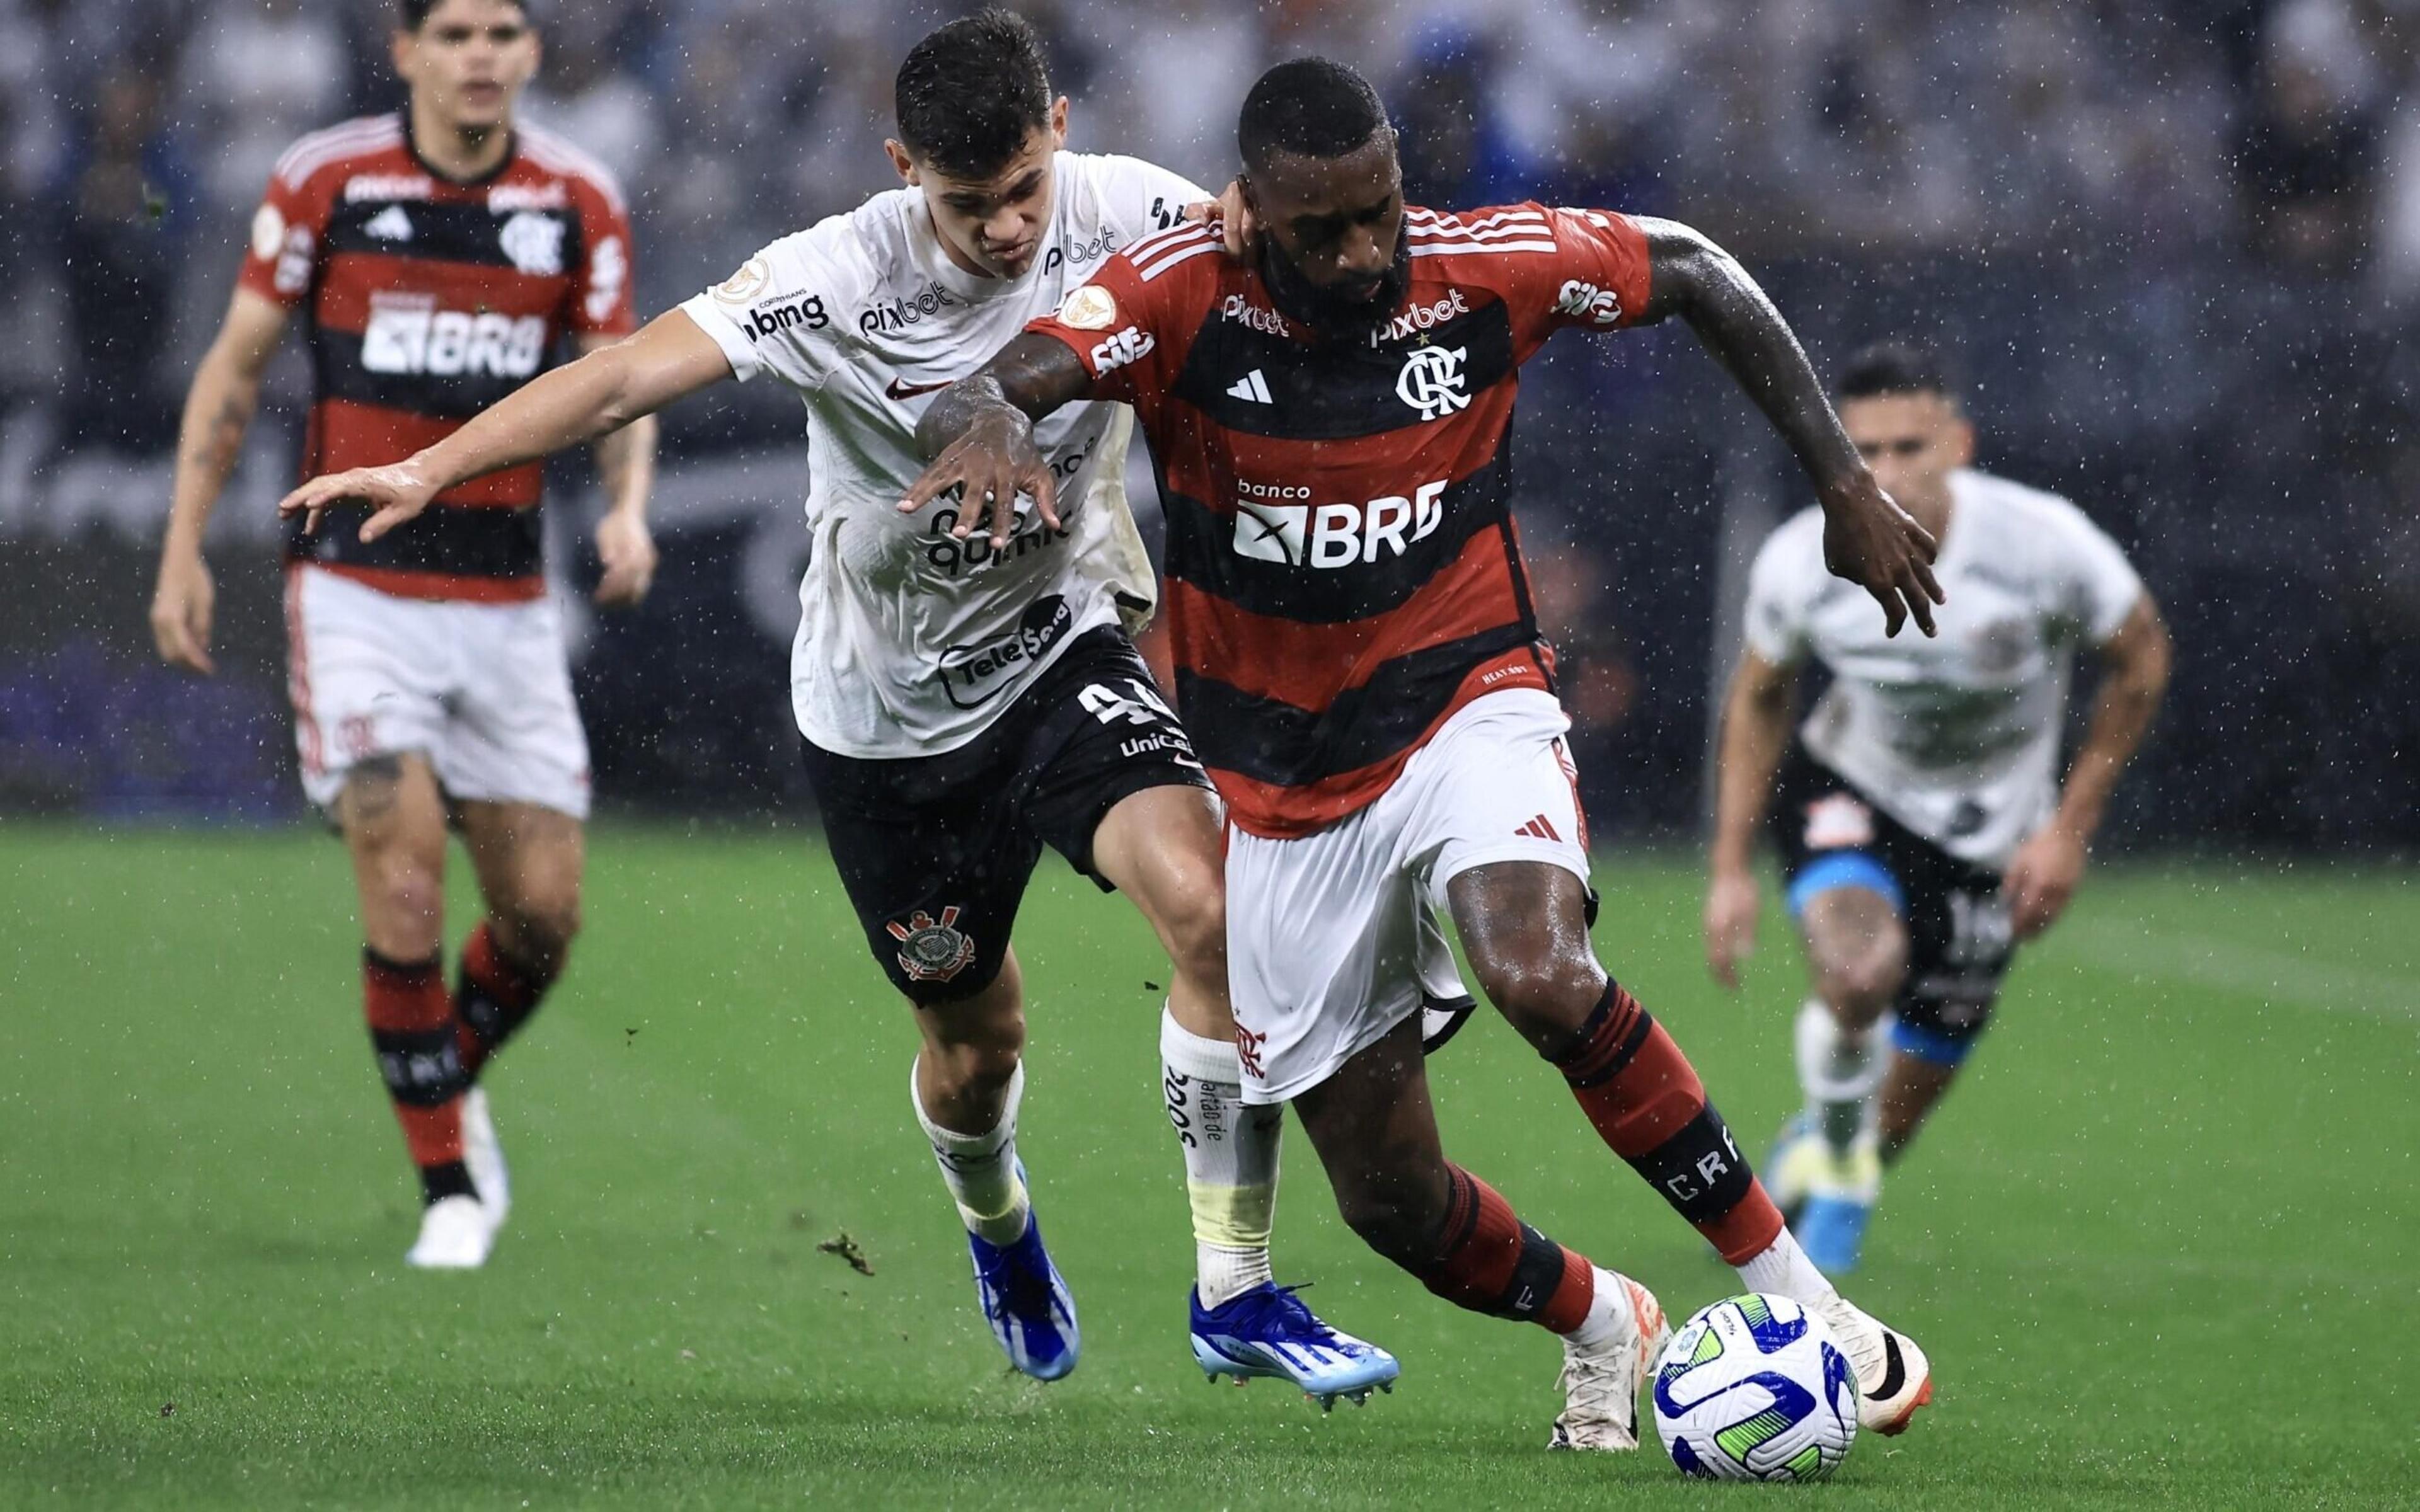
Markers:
point(1894, 1378)
point(1600, 1384)
point(455, 1235)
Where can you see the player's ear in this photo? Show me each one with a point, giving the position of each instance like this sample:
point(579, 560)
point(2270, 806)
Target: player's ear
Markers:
point(1059, 123)
point(403, 48)
point(900, 160)
point(1962, 442)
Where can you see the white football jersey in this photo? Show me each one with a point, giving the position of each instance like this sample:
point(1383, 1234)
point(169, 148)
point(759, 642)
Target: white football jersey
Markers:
point(1956, 737)
point(911, 643)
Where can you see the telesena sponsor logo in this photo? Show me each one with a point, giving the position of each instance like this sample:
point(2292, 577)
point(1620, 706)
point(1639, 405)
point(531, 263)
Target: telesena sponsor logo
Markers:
point(363, 186)
point(409, 334)
point(976, 674)
point(1419, 317)
point(899, 314)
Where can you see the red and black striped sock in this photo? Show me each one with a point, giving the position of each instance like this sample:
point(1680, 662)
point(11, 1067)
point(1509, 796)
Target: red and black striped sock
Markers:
point(494, 998)
point(1648, 1106)
point(411, 1029)
point(1492, 1262)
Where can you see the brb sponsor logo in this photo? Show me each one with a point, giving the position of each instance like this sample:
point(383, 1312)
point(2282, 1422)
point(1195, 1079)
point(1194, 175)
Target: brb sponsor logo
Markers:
point(1328, 536)
point(1585, 301)
point(886, 315)
point(975, 674)
point(408, 334)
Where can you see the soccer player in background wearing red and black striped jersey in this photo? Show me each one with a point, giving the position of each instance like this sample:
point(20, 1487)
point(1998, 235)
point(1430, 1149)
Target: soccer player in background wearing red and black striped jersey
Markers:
point(1359, 661)
point(439, 256)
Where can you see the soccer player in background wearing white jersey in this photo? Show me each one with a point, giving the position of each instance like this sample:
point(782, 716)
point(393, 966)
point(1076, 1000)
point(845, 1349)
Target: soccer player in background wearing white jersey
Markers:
point(966, 688)
point(1923, 829)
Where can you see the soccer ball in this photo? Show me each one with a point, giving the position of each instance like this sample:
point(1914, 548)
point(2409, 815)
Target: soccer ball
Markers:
point(1756, 1388)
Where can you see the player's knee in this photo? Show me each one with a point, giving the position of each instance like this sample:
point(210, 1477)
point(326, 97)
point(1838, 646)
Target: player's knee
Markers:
point(1195, 932)
point(539, 929)
point(1546, 994)
point(976, 1053)
point(402, 893)
point(1862, 982)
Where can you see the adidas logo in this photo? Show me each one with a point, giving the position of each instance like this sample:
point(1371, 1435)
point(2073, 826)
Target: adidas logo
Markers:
point(1251, 386)
point(1539, 829)
point(389, 224)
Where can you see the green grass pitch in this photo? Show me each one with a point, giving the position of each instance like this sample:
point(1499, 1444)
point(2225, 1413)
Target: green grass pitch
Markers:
point(2162, 1246)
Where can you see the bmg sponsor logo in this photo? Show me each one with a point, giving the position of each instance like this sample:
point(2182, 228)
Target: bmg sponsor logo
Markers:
point(775, 317)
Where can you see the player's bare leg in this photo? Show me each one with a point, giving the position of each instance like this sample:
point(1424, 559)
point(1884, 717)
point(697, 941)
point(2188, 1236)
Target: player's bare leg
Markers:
point(1911, 1090)
point(394, 822)
point(1375, 1130)
point(1162, 848)
point(529, 860)
point(1524, 926)
point(968, 1084)
point(1826, 1165)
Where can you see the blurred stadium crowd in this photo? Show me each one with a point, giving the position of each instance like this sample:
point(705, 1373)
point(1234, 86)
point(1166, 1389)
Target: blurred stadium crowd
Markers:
point(2174, 246)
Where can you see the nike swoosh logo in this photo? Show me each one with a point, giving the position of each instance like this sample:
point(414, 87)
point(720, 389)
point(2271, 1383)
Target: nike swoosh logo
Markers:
point(900, 389)
point(1894, 1371)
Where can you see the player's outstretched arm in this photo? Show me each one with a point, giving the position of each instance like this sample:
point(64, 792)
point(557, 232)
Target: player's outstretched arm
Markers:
point(1867, 539)
point(626, 467)
point(979, 435)
point(1755, 729)
point(2043, 873)
point(218, 411)
point(579, 401)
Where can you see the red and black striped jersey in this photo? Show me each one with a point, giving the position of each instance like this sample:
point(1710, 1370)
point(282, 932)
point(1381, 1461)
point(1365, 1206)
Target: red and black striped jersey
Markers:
point(1342, 568)
point(429, 300)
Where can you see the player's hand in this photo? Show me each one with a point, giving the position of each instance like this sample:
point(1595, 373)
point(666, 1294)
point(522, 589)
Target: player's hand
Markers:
point(1869, 540)
point(2040, 879)
point(628, 554)
point(180, 610)
point(395, 494)
point(993, 462)
point(1731, 909)
point(1233, 217)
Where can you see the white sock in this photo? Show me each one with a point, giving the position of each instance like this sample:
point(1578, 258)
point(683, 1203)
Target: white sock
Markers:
point(1231, 1159)
point(1783, 1270)
point(1840, 1073)
point(1608, 1314)
point(981, 1168)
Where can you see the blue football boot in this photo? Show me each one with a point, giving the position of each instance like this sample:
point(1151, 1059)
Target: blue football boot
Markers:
point(1831, 1223)
point(1028, 1306)
point(1268, 1332)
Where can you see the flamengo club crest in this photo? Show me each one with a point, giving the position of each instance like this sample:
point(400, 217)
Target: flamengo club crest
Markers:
point(929, 952)
point(1432, 381)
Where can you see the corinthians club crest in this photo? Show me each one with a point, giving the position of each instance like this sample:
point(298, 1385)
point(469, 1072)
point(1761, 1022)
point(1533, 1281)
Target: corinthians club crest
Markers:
point(930, 951)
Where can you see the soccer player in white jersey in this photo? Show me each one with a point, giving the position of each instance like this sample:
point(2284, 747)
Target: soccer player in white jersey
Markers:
point(967, 692)
point(1923, 829)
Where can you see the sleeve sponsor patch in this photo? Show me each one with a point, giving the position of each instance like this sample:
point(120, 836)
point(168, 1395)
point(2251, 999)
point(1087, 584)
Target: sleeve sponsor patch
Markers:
point(1089, 308)
point(747, 282)
point(267, 232)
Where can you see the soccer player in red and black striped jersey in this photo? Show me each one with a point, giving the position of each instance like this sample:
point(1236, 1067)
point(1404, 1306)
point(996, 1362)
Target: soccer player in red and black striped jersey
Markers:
point(439, 255)
point(1360, 663)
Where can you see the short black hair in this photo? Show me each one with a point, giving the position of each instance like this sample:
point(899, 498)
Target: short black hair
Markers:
point(1893, 367)
point(970, 93)
point(1308, 106)
point(415, 12)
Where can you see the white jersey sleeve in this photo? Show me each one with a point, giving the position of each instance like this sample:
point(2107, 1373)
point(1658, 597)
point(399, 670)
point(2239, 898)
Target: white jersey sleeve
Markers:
point(1140, 199)
point(2097, 586)
point(782, 312)
point(1780, 592)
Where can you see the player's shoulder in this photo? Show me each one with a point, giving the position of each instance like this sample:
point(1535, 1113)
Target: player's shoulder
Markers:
point(822, 270)
point(1475, 239)
point(1191, 246)
point(343, 149)
point(557, 156)
point(1131, 197)
point(2022, 515)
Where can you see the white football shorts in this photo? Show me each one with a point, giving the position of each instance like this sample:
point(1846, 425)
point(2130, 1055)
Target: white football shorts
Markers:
point(1333, 937)
point(482, 691)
